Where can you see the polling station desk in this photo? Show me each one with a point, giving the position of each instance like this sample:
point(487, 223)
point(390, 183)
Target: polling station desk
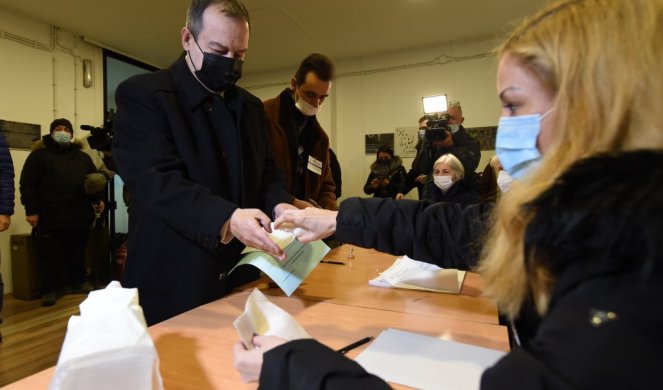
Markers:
point(195, 348)
point(347, 284)
point(335, 305)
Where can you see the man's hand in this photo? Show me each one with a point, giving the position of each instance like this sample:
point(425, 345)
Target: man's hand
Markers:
point(399, 196)
point(249, 362)
point(281, 207)
point(301, 204)
point(33, 220)
point(309, 224)
point(5, 221)
point(249, 226)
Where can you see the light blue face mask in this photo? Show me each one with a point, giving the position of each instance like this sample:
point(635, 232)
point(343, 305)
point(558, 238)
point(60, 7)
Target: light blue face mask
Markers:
point(454, 128)
point(61, 137)
point(515, 145)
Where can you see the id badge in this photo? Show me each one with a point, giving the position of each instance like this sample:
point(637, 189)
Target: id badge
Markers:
point(314, 165)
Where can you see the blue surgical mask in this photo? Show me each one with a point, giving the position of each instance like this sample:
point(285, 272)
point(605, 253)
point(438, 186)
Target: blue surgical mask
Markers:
point(454, 128)
point(515, 145)
point(61, 137)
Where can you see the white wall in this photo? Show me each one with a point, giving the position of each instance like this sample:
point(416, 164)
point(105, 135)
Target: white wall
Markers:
point(41, 79)
point(377, 94)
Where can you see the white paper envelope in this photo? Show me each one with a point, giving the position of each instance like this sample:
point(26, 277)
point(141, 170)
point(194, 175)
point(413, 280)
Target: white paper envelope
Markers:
point(107, 346)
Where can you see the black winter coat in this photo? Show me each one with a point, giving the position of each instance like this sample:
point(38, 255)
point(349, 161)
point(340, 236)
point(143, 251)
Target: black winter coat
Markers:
point(52, 185)
point(394, 172)
point(6, 179)
point(460, 193)
point(441, 233)
point(172, 159)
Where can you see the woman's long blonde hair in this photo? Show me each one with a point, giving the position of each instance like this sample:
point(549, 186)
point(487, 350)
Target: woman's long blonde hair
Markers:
point(602, 60)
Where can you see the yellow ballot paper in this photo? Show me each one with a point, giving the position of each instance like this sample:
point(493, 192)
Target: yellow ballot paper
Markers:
point(302, 258)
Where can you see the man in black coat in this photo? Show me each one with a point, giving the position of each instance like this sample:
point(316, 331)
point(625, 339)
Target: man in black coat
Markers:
point(57, 206)
point(193, 151)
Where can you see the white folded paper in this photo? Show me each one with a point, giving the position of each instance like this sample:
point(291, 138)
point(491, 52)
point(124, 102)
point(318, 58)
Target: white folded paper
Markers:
point(107, 346)
point(425, 362)
point(262, 317)
point(417, 275)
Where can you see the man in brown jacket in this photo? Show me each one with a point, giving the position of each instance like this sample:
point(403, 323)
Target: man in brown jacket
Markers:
point(300, 145)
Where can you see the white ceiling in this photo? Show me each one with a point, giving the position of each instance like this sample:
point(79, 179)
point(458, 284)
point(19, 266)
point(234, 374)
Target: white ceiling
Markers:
point(284, 31)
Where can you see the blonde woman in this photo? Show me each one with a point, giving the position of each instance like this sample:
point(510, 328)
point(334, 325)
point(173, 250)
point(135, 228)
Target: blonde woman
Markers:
point(579, 79)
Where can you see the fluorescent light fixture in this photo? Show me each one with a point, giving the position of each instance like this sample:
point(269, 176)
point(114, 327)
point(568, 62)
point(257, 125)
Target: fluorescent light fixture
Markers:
point(433, 104)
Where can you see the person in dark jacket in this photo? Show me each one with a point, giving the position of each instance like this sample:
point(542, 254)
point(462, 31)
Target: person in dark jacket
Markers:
point(552, 63)
point(52, 189)
point(299, 143)
point(6, 197)
point(387, 176)
point(458, 142)
point(336, 173)
point(193, 151)
point(448, 183)
point(577, 255)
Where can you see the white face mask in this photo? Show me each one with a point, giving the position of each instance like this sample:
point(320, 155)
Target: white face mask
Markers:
point(443, 182)
point(306, 108)
point(504, 181)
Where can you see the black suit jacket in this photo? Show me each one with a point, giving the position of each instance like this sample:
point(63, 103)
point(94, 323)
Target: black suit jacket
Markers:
point(171, 158)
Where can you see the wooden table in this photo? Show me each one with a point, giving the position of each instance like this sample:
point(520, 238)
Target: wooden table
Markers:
point(195, 348)
point(348, 285)
point(335, 305)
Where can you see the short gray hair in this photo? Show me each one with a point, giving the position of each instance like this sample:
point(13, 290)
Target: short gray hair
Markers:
point(455, 104)
point(454, 163)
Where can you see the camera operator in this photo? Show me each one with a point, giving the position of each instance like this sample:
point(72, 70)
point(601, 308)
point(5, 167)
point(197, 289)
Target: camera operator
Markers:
point(449, 137)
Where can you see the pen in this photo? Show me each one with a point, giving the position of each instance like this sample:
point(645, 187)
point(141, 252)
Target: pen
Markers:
point(354, 345)
point(332, 262)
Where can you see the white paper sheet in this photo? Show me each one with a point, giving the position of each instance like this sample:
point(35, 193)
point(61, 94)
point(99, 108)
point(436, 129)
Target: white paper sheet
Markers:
point(417, 275)
point(265, 318)
point(302, 259)
point(426, 362)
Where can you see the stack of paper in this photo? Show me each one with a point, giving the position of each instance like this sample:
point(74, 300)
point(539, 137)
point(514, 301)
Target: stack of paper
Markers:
point(417, 275)
point(426, 362)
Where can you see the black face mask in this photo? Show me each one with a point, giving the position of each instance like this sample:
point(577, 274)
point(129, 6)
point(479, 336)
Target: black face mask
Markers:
point(218, 72)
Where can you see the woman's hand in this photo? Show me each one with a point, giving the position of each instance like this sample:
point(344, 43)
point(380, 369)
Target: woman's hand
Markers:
point(309, 224)
point(249, 361)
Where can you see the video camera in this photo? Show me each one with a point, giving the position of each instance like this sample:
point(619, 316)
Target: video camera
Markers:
point(437, 123)
point(101, 138)
point(438, 127)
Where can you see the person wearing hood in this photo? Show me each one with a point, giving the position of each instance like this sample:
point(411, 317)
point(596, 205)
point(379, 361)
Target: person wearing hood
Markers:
point(449, 183)
point(387, 177)
point(59, 208)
